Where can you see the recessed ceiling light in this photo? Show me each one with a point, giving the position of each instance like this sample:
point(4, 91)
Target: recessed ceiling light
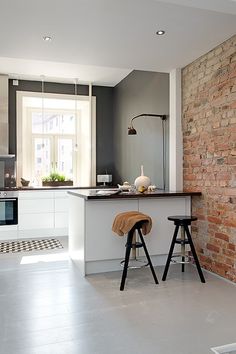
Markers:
point(160, 32)
point(47, 38)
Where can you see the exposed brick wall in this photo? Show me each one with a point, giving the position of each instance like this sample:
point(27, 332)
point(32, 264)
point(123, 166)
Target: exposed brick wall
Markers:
point(209, 132)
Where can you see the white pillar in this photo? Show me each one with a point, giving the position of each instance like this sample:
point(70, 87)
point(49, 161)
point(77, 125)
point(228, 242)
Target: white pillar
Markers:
point(175, 137)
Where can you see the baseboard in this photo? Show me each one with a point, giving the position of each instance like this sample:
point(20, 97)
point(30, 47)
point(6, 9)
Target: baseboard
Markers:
point(113, 265)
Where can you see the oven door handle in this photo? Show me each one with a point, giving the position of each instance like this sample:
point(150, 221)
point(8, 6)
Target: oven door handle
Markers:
point(8, 200)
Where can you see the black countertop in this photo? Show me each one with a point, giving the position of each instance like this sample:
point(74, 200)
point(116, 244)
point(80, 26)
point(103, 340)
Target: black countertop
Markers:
point(99, 194)
point(41, 188)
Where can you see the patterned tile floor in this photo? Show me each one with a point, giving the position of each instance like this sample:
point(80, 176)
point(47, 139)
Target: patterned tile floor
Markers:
point(30, 245)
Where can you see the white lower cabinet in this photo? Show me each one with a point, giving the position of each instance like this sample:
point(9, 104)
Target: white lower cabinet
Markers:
point(159, 239)
point(35, 214)
point(101, 242)
point(8, 232)
point(40, 214)
point(95, 248)
point(61, 210)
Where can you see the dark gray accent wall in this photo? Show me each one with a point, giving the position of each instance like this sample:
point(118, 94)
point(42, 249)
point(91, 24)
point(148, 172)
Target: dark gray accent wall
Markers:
point(116, 152)
point(104, 114)
point(140, 92)
point(104, 146)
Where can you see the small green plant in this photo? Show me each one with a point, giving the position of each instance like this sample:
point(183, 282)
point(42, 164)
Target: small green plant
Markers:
point(54, 177)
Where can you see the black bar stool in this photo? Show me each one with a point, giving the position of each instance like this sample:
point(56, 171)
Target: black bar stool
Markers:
point(182, 221)
point(131, 244)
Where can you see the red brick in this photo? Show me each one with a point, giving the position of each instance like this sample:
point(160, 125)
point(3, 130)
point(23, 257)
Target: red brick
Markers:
point(228, 253)
point(189, 177)
point(214, 219)
point(232, 159)
point(229, 222)
point(222, 236)
point(231, 246)
point(213, 248)
point(209, 131)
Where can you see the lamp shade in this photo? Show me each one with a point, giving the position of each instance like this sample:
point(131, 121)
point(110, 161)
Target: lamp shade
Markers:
point(132, 131)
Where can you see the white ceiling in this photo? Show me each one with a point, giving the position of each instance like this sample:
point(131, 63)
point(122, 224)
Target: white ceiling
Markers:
point(101, 41)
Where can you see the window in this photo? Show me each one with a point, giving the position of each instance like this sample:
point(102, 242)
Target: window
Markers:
point(56, 133)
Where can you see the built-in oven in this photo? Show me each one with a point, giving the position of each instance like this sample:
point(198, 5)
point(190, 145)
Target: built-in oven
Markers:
point(8, 207)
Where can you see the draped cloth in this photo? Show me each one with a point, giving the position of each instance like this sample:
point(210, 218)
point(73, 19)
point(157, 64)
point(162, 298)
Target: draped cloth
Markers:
point(124, 222)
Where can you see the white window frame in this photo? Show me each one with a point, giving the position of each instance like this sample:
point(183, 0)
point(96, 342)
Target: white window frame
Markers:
point(24, 126)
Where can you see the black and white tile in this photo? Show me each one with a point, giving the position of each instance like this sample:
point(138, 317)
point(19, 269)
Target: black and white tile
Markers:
point(30, 245)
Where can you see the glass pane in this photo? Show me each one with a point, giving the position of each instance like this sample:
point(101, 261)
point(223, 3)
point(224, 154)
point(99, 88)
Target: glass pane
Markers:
point(2, 212)
point(53, 123)
point(42, 157)
point(65, 159)
point(6, 212)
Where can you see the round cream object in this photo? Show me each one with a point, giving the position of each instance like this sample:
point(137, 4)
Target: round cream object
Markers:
point(142, 181)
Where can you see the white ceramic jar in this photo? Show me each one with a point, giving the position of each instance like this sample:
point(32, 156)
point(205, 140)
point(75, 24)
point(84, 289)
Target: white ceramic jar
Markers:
point(142, 181)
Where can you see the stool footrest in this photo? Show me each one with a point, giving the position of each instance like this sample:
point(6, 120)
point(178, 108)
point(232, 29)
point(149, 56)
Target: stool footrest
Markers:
point(135, 263)
point(182, 256)
point(183, 222)
point(182, 242)
point(135, 245)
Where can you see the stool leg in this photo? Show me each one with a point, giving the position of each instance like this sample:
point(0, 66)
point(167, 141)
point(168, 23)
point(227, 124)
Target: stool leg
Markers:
point(170, 252)
point(182, 247)
point(127, 255)
point(148, 257)
point(194, 254)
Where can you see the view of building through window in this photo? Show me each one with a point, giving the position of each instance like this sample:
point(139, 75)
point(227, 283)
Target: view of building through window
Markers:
point(54, 151)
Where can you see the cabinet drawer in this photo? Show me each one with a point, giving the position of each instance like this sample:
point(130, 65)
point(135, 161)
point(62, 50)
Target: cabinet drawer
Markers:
point(61, 194)
point(61, 220)
point(35, 195)
point(62, 204)
point(36, 221)
point(28, 206)
point(8, 232)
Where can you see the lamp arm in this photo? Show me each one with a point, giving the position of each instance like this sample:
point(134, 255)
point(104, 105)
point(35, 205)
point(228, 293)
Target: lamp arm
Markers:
point(162, 116)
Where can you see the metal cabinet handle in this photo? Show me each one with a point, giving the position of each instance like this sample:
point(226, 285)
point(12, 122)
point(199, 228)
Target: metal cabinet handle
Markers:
point(8, 200)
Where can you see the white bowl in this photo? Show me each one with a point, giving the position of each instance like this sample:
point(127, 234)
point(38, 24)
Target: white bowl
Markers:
point(124, 187)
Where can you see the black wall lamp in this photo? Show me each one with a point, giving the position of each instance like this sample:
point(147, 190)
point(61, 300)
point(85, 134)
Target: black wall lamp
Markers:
point(132, 131)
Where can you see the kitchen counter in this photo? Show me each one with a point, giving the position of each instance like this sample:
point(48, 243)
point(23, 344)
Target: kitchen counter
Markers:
point(107, 193)
point(95, 248)
point(32, 188)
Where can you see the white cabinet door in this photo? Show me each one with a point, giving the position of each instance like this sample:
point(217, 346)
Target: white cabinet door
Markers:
point(36, 214)
point(62, 205)
point(159, 239)
point(36, 205)
point(36, 194)
point(36, 221)
point(61, 224)
point(100, 242)
point(43, 213)
point(8, 232)
point(61, 209)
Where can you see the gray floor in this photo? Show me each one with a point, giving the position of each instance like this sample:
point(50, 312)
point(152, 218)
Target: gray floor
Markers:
point(47, 307)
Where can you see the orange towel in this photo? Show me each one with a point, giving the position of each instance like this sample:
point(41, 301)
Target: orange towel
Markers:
point(124, 222)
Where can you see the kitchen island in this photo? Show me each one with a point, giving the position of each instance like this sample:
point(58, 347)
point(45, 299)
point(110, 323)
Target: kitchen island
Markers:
point(95, 248)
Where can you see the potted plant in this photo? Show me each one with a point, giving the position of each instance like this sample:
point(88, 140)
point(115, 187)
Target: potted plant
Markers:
point(55, 179)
